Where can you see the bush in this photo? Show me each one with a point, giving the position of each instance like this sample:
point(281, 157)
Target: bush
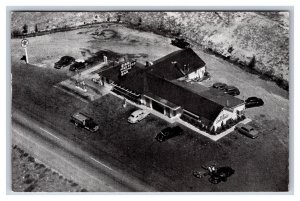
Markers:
point(84, 190)
point(30, 188)
point(16, 33)
point(31, 159)
point(219, 130)
point(25, 29)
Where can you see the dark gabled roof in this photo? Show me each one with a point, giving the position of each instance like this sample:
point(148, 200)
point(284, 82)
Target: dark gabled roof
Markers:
point(133, 80)
point(180, 96)
point(176, 65)
point(221, 98)
point(212, 94)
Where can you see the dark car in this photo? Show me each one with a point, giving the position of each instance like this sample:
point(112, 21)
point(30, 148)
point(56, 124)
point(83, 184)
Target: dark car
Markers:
point(181, 43)
point(64, 61)
point(232, 90)
point(77, 66)
point(253, 102)
point(168, 132)
point(221, 174)
point(220, 86)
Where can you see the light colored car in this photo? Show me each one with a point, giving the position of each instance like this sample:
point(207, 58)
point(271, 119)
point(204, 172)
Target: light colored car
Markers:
point(137, 116)
point(246, 130)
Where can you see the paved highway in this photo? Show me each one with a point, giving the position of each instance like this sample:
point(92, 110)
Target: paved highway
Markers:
point(60, 154)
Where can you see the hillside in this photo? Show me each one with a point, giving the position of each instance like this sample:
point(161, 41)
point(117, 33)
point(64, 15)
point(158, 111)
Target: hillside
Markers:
point(256, 40)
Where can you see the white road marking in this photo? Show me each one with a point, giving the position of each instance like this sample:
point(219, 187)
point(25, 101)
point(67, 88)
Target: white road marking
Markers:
point(49, 133)
point(100, 163)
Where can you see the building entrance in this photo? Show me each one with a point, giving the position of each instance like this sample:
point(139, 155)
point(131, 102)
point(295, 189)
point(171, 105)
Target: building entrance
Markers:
point(158, 107)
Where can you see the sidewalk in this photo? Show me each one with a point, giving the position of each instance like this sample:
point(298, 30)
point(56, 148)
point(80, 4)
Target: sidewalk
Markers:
point(93, 91)
point(180, 121)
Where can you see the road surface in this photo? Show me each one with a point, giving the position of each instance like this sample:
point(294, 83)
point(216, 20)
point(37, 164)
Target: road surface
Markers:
point(60, 154)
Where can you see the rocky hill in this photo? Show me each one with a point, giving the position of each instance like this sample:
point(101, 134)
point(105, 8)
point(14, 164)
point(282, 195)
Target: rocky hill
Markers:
point(256, 40)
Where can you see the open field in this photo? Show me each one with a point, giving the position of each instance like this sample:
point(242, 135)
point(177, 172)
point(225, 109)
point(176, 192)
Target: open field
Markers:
point(257, 40)
point(260, 165)
point(29, 175)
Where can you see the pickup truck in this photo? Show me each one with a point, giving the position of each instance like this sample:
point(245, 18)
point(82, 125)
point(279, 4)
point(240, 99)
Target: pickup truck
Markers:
point(81, 120)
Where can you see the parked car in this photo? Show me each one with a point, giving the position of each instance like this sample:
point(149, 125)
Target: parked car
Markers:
point(82, 120)
point(253, 102)
point(246, 130)
point(168, 133)
point(220, 86)
point(77, 66)
point(64, 61)
point(221, 174)
point(232, 90)
point(181, 43)
point(137, 116)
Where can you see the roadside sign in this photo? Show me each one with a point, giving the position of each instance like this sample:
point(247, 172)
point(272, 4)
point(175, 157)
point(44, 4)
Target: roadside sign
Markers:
point(24, 43)
point(125, 67)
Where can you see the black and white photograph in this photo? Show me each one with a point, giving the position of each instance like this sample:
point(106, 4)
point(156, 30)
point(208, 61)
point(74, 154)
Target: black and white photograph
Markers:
point(150, 100)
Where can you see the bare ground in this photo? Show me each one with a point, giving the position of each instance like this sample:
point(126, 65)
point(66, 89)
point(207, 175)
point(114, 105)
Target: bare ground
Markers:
point(30, 175)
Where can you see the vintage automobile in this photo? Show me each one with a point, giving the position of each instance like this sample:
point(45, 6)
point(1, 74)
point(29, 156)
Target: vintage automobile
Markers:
point(64, 61)
point(253, 102)
point(77, 66)
point(246, 130)
point(137, 116)
point(181, 43)
point(82, 120)
point(219, 85)
point(232, 90)
point(168, 133)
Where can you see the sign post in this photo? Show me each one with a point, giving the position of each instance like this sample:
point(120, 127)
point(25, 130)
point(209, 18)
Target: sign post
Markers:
point(24, 43)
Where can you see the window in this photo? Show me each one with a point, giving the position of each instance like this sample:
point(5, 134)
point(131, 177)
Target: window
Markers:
point(245, 129)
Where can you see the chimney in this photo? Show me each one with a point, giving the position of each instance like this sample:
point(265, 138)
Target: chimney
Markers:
point(125, 58)
point(148, 63)
point(105, 59)
point(227, 103)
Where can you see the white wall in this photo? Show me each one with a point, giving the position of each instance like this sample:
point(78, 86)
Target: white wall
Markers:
point(239, 108)
point(223, 117)
point(198, 73)
point(227, 115)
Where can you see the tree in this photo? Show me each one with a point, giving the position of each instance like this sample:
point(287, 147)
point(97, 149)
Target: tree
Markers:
point(119, 18)
point(139, 21)
point(16, 33)
point(25, 29)
point(36, 28)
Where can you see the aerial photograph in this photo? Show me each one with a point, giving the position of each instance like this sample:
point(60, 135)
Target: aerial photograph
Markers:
point(149, 101)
